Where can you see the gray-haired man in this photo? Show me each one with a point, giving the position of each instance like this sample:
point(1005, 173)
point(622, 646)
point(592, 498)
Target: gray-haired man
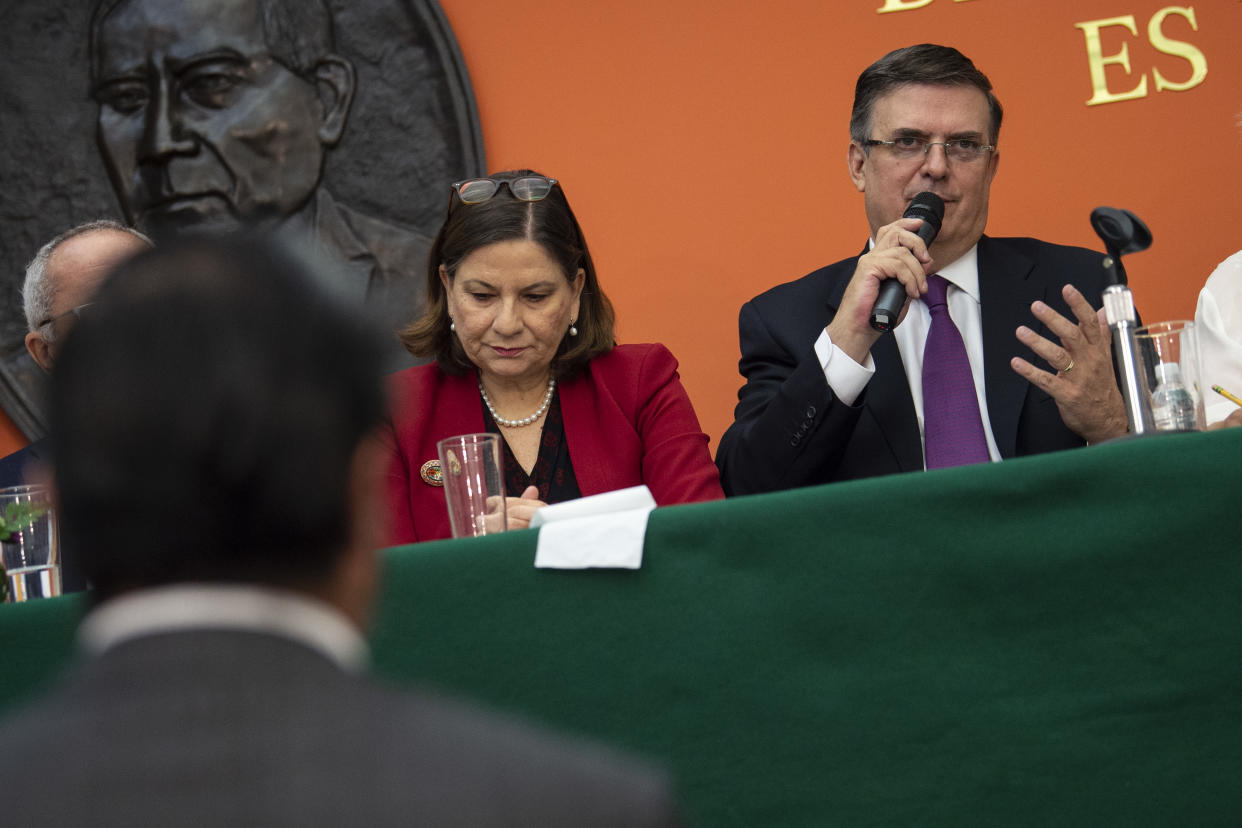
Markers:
point(60, 280)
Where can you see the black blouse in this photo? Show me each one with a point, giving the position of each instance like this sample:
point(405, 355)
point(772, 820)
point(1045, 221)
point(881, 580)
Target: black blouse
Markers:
point(553, 473)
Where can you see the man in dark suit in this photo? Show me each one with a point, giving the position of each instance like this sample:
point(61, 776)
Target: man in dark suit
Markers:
point(60, 281)
point(218, 469)
point(827, 397)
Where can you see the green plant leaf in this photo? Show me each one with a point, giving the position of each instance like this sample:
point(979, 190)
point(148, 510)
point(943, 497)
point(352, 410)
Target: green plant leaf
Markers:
point(17, 516)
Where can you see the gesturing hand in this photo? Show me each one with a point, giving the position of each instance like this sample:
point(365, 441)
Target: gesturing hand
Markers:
point(1083, 385)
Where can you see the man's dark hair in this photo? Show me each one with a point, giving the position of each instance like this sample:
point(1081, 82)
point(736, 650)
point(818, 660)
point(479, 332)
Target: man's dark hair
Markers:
point(206, 415)
point(925, 63)
point(551, 224)
point(298, 33)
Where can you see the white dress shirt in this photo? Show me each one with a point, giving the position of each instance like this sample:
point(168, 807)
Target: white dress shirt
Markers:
point(847, 378)
point(1218, 318)
point(225, 607)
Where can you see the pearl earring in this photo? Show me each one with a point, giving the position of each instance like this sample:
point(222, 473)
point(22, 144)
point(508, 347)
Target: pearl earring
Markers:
point(452, 325)
point(572, 330)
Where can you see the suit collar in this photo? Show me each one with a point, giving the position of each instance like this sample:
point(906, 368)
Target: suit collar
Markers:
point(888, 400)
point(1008, 284)
point(336, 239)
point(964, 273)
point(236, 607)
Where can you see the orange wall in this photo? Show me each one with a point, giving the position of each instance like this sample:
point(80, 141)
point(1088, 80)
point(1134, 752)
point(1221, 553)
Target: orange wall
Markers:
point(702, 142)
point(11, 438)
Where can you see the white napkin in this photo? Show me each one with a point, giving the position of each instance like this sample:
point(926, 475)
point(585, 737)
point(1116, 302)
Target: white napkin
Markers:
point(604, 530)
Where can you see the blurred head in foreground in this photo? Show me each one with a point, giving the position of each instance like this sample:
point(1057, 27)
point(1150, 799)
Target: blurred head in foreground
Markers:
point(213, 416)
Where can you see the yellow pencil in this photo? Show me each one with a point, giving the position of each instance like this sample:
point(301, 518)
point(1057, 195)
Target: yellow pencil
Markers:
point(1226, 395)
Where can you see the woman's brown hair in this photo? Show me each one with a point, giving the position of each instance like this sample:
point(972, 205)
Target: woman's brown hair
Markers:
point(550, 223)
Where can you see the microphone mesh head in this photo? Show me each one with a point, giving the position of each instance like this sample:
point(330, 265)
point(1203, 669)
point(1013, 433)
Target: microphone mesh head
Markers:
point(926, 206)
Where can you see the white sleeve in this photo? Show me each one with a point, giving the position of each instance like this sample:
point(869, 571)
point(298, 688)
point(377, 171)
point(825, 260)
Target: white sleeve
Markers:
point(846, 378)
point(1218, 319)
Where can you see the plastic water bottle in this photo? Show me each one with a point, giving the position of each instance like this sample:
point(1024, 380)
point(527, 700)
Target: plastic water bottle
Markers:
point(1172, 406)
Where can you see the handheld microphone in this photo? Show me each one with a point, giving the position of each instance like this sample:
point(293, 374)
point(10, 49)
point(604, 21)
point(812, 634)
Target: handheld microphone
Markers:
point(930, 208)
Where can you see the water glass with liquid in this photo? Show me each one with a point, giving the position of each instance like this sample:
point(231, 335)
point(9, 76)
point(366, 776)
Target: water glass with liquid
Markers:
point(29, 547)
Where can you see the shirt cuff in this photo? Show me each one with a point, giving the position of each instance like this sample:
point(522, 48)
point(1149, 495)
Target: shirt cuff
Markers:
point(1214, 411)
point(846, 378)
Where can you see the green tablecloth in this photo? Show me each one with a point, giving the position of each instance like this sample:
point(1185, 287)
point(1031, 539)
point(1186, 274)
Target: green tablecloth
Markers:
point(1044, 641)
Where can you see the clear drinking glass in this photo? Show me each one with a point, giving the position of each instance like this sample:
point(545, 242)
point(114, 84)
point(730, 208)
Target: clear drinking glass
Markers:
point(1168, 353)
point(473, 484)
point(29, 546)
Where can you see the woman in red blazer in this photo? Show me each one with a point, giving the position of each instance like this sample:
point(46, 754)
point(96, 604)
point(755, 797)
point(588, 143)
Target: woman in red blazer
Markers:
point(522, 337)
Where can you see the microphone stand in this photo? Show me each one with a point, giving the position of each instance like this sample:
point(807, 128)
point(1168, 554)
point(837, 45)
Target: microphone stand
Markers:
point(1123, 232)
point(1119, 310)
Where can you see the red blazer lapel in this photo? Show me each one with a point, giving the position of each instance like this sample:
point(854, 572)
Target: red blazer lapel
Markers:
point(599, 429)
point(429, 405)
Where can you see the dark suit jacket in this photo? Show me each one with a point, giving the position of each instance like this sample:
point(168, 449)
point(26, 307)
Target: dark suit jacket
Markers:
point(789, 428)
point(240, 728)
point(13, 468)
point(628, 421)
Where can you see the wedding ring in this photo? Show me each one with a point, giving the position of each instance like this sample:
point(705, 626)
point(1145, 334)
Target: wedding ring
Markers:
point(1069, 367)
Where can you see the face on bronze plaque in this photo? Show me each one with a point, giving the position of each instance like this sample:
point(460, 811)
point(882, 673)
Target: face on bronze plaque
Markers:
point(339, 123)
point(200, 126)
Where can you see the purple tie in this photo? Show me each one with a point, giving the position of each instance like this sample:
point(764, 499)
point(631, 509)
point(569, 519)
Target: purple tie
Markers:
point(952, 428)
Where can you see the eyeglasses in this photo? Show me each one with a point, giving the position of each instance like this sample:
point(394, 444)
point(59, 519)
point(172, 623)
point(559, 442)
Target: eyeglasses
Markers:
point(479, 190)
point(75, 311)
point(912, 146)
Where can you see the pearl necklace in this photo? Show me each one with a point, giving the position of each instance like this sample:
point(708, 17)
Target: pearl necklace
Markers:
point(525, 421)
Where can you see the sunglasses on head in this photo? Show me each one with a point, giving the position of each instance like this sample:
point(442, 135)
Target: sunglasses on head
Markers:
point(527, 188)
